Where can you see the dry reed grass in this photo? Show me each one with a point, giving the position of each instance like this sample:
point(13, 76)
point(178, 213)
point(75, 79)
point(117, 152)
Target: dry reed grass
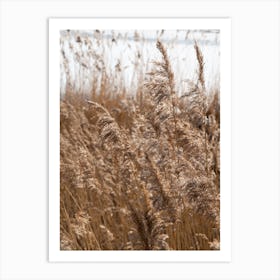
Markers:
point(143, 172)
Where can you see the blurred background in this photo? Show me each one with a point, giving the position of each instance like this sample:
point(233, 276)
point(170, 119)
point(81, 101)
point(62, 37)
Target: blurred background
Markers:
point(122, 57)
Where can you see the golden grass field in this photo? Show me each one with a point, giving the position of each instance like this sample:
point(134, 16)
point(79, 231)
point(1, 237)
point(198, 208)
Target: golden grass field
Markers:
point(140, 172)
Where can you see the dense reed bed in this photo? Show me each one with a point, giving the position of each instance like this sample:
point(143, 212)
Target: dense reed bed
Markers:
point(140, 171)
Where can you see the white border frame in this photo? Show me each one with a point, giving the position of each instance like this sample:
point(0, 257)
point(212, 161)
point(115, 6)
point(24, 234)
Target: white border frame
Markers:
point(55, 254)
point(24, 139)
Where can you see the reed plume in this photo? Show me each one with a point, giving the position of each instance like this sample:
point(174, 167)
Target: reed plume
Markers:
point(138, 173)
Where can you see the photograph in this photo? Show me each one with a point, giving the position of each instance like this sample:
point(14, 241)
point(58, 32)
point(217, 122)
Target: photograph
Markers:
point(139, 139)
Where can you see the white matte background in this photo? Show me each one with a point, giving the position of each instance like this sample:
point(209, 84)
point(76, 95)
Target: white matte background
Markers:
point(24, 134)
